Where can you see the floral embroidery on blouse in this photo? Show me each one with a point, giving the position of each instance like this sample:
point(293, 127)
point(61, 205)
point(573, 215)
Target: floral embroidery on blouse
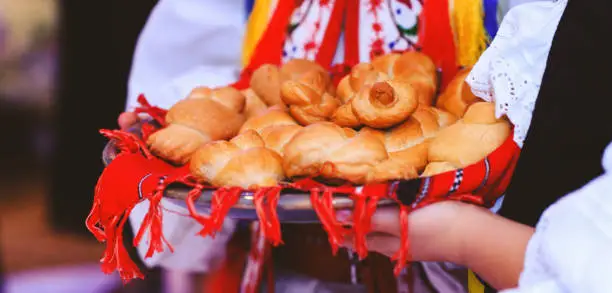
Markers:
point(307, 28)
point(387, 25)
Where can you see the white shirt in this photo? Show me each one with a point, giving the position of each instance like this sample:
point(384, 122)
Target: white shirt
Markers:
point(185, 44)
point(571, 250)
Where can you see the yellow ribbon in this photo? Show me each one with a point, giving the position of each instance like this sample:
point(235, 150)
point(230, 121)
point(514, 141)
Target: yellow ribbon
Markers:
point(474, 285)
point(467, 18)
point(256, 25)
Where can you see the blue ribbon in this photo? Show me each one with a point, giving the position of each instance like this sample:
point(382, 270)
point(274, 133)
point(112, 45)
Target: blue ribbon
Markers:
point(249, 7)
point(490, 20)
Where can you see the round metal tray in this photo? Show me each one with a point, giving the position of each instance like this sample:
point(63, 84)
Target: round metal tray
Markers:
point(293, 206)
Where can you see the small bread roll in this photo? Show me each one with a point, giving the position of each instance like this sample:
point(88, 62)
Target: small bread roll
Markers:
point(205, 115)
point(345, 117)
point(273, 116)
point(266, 80)
point(242, 162)
point(424, 86)
point(385, 104)
point(407, 145)
point(414, 68)
point(275, 126)
point(457, 96)
point(407, 63)
point(332, 152)
point(471, 139)
point(276, 137)
point(296, 68)
point(254, 105)
point(361, 75)
point(308, 99)
point(436, 168)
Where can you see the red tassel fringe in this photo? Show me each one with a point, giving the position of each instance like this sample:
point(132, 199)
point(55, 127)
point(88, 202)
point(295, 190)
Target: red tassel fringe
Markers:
point(158, 114)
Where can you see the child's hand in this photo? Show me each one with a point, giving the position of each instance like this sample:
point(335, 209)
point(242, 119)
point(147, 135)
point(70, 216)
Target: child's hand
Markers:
point(435, 231)
point(127, 119)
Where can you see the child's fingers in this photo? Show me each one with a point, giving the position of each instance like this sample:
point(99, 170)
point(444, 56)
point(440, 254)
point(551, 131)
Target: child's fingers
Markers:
point(386, 220)
point(378, 242)
point(127, 120)
point(383, 243)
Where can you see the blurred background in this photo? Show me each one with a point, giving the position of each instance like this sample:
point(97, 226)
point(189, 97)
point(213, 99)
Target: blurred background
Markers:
point(63, 72)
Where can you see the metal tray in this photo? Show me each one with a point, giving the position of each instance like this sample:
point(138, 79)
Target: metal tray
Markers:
point(293, 206)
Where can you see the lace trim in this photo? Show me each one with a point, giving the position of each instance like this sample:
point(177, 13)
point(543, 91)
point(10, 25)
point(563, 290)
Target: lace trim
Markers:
point(510, 71)
point(514, 95)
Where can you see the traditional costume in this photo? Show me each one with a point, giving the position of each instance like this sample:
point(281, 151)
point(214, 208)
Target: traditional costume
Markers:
point(198, 42)
point(569, 251)
point(546, 58)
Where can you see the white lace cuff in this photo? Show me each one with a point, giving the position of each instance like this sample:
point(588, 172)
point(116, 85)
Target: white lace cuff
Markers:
point(510, 71)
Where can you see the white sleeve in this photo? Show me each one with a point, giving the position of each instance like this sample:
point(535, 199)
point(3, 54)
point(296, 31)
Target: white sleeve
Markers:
point(571, 248)
point(510, 71)
point(185, 43)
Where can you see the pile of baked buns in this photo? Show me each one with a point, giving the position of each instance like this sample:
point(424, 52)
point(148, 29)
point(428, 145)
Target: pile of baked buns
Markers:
point(383, 121)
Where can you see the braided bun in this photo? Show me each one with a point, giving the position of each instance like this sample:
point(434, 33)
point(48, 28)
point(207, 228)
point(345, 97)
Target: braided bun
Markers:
point(205, 115)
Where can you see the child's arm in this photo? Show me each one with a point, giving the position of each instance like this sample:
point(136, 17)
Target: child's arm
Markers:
point(491, 246)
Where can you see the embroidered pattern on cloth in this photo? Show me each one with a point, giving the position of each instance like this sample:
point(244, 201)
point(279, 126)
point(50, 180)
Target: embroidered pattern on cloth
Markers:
point(388, 26)
point(306, 29)
point(510, 71)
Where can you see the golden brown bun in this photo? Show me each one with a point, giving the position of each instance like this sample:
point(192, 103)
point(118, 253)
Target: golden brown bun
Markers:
point(345, 117)
point(384, 104)
point(308, 99)
point(395, 64)
point(481, 113)
point(422, 124)
point(265, 83)
point(471, 139)
point(275, 126)
point(273, 116)
point(205, 115)
point(355, 159)
point(296, 68)
point(385, 63)
point(424, 86)
point(457, 96)
point(400, 165)
point(361, 75)
point(266, 80)
point(276, 137)
point(254, 105)
point(414, 68)
point(436, 168)
point(443, 118)
point(332, 152)
point(242, 162)
point(408, 144)
point(412, 62)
